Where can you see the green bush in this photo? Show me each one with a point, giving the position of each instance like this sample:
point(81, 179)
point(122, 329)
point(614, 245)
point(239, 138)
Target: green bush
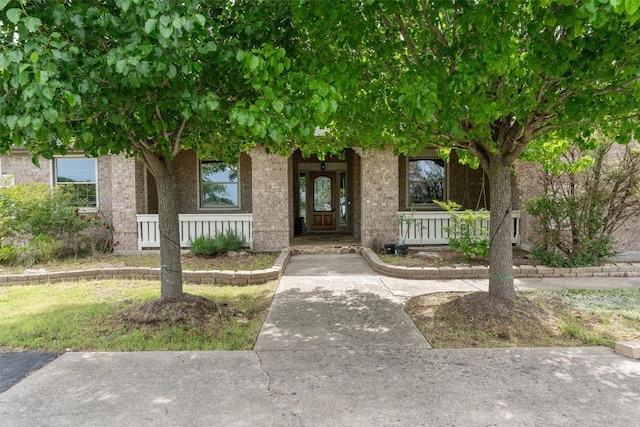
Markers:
point(467, 230)
point(218, 245)
point(38, 225)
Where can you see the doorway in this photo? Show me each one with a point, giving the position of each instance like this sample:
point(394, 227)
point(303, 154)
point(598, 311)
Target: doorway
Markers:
point(323, 209)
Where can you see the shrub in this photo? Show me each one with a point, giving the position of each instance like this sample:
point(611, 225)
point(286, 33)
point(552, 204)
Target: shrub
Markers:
point(583, 206)
point(39, 224)
point(218, 245)
point(468, 230)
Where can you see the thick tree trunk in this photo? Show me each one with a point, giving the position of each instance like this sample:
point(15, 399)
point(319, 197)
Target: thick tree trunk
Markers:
point(169, 224)
point(501, 253)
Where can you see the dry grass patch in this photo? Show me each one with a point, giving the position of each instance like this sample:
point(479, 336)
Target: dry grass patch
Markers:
point(251, 261)
point(537, 319)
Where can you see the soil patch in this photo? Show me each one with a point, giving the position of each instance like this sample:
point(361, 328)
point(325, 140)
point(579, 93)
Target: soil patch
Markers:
point(452, 320)
point(187, 309)
point(446, 257)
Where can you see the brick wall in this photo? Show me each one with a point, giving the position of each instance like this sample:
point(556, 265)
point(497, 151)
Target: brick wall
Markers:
point(270, 201)
point(379, 197)
point(124, 207)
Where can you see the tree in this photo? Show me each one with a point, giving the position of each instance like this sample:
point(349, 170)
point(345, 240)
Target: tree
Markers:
point(482, 77)
point(149, 79)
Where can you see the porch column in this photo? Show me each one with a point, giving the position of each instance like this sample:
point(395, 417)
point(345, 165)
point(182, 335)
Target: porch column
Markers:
point(270, 200)
point(379, 197)
point(123, 203)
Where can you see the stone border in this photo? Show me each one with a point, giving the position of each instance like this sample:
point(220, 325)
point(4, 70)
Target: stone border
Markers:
point(621, 269)
point(217, 277)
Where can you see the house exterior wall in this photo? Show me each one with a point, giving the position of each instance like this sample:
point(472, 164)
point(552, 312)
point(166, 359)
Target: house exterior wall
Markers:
point(270, 200)
point(123, 207)
point(187, 169)
point(379, 197)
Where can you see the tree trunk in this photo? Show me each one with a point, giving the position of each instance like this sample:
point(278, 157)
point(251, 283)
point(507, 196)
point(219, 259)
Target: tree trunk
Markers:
point(169, 225)
point(501, 283)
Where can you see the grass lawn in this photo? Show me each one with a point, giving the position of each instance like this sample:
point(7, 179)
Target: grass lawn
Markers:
point(96, 316)
point(535, 319)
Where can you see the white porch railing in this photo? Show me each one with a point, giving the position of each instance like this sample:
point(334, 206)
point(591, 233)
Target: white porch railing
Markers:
point(429, 228)
point(192, 226)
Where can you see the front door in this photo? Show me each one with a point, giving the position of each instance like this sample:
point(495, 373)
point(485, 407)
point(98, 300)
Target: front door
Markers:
point(323, 214)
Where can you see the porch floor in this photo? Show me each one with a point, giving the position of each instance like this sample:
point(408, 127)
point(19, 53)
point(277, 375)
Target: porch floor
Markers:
point(329, 243)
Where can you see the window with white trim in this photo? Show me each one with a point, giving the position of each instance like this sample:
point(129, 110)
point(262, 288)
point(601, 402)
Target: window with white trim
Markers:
point(79, 176)
point(219, 186)
point(426, 182)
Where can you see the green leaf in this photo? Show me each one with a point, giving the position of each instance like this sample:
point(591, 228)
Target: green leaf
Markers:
point(172, 71)
point(3, 4)
point(12, 121)
point(4, 61)
point(278, 106)
point(240, 55)
point(254, 62)
point(51, 115)
point(32, 24)
point(14, 15)
point(632, 6)
point(150, 25)
point(120, 65)
point(71, 99)
point(201, 19)
point(166, 31)
point(34, 57)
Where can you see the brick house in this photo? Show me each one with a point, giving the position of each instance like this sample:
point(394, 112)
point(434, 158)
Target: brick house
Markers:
point(267, 198)
point(360, 194)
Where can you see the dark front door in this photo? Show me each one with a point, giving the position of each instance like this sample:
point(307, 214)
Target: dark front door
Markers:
point(323, 213)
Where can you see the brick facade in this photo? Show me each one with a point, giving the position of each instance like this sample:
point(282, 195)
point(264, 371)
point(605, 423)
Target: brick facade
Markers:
point(123, 207)
point(379, 197)
point(271, 198)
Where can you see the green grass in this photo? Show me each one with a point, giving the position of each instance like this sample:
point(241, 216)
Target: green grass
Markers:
point(82, 316)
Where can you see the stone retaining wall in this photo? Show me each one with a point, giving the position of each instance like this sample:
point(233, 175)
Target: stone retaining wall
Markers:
point(482, 271)
point(240, 278)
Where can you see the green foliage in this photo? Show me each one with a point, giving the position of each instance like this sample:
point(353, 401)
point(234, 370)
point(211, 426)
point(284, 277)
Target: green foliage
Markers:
point(468, 230)
point(220, 244)
point(581, 208)
point(40, 224)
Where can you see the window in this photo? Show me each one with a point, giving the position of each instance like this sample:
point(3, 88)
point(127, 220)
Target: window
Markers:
point(78, 176)
point(426, 181)
point(218, 185)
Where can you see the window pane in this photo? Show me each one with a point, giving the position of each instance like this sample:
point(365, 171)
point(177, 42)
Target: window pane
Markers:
point(219, 172)
point(426, 181)
point(83, 195)
point(322, 194)
point(217, 194)
point(426, 170)
point(303, 195)
point(75, 170)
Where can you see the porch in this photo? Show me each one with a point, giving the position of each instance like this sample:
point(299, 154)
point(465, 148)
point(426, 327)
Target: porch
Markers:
point(417, 228)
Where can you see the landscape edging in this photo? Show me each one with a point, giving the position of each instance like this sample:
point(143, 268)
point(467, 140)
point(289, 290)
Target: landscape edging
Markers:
point(195, 277)
point(621, 269)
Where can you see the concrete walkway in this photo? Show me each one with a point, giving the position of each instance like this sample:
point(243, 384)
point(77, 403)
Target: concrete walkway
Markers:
point(338, 350)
